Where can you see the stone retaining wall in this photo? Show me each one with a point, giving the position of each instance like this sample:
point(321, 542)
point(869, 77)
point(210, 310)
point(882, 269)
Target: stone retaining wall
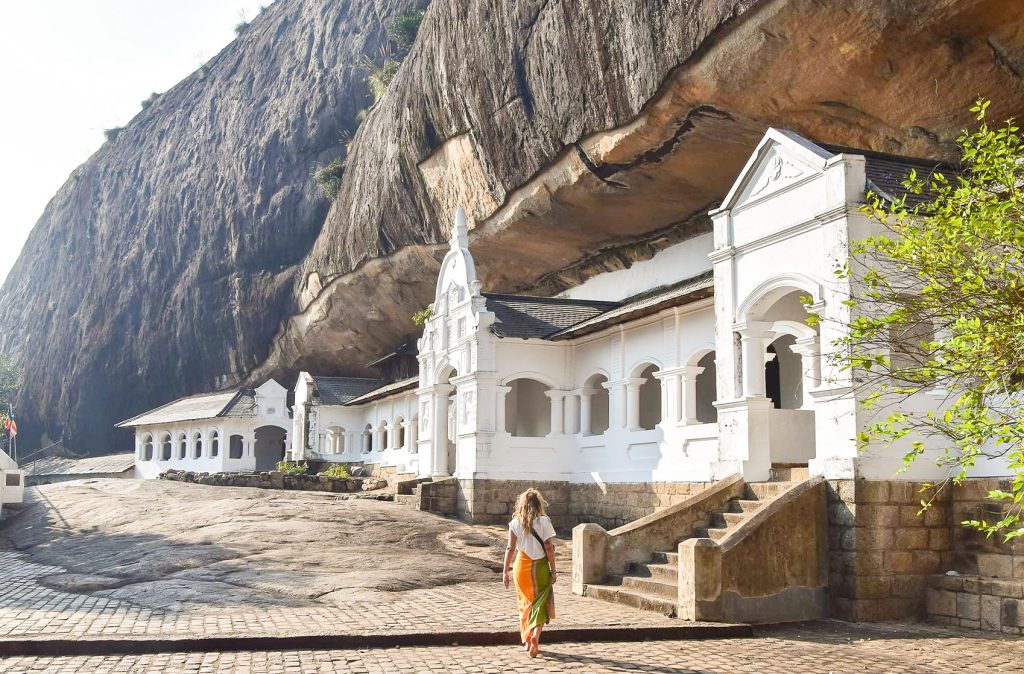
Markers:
point(980, 603)
point(277, 480)
point(610, 505)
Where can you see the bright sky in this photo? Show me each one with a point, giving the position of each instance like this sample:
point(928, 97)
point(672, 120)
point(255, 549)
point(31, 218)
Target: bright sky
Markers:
point(72, 68)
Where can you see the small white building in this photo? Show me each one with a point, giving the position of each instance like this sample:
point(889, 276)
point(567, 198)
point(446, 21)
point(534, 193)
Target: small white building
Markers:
point(229, 431)
point(12, 481)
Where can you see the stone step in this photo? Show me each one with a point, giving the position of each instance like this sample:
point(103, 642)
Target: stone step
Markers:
point(738, 505)
point(765, 491)
point(408, 499)
point(710, 532)
point(666, 573)
point(732, 519)
point(620, 595)
point(665, 558)
point(650, 587)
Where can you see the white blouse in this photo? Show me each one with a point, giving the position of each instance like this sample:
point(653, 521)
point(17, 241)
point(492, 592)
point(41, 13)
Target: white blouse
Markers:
point(527, 542)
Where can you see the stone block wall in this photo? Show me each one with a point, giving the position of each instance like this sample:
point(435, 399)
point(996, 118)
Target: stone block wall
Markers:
point(610, 505)
point(439, 497)
point(974, 553)
point(276, 480)
point(881, 551)
point(980, 603)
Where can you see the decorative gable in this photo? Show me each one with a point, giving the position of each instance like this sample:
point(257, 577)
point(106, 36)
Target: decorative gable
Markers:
point(781, 159)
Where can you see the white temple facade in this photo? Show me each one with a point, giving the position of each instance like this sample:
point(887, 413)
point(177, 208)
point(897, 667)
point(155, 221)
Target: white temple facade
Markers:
point(696, 364)
point(230, 431)
point(691, 366)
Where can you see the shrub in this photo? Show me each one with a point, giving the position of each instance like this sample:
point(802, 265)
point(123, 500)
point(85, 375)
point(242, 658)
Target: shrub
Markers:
point(293, 467)
point(241, 26)
point(336, 471)
point(422, 316)
point(151, 100)
point(404, 29)
point(112, 134)
point(381, 77)
point(329, 177)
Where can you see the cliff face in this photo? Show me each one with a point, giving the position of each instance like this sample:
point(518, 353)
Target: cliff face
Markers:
point(195, 250)
point(165, 264)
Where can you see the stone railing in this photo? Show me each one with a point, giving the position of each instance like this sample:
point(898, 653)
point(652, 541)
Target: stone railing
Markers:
point(278, 480)
point(597, 553)
point(772, 568)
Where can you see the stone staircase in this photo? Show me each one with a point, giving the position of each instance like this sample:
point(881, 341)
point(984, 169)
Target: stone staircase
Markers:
point(407, 492)
point(653, 585)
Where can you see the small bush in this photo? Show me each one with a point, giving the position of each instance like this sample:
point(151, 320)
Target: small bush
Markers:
point(381, 77)
point(112, 134)
point(151, 100)
point(336, 471)
point(241, 26)
point(329, 177)
point(293, 467)
point(403, 31)
point(421, 317)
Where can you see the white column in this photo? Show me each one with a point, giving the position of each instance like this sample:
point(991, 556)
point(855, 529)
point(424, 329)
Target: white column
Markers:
point(753, 347)
point(633, 403)
point(810, 366)
point(572, 407)
point(688, 382)
point(671, 404)
point(617, 404)
point(585, 410)
point(439, 460)
point(557, 416)
point(499, 408)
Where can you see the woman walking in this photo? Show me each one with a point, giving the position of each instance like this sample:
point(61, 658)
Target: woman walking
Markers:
point(531, 544)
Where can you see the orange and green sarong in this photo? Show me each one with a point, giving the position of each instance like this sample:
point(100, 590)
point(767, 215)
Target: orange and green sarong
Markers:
point(534, 592)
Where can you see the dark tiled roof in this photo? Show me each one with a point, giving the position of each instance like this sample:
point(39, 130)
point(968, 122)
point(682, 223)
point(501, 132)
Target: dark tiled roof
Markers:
point(91, 465)
point(384, 391)
point(340, 390)
point(538, 317)
point(645, 304)
point(237, 403)
point(885, 173)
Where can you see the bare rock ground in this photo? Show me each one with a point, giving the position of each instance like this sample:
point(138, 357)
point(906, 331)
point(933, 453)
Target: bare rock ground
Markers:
point(165, 545)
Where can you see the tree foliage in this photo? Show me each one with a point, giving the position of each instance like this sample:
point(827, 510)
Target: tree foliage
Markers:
point(329, 177)
point(404, 29)
point(938, 312)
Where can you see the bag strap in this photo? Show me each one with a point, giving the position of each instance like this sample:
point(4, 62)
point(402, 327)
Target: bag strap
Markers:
point(537, 536)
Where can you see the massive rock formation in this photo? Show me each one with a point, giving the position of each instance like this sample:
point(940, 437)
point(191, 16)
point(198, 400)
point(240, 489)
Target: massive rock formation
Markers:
point(580, 134)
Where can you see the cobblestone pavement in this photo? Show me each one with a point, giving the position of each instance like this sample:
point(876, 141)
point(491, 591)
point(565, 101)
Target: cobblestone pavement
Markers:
point(821, 647)
point(28, 609)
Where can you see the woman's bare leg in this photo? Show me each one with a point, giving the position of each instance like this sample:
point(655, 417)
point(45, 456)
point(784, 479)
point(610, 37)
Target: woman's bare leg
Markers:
point(534, 641)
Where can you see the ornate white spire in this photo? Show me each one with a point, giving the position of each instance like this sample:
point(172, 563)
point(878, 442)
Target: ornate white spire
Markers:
point(460, 230)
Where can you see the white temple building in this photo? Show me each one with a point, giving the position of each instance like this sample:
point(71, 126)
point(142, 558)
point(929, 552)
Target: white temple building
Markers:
point(231, 431)
point(696, 364)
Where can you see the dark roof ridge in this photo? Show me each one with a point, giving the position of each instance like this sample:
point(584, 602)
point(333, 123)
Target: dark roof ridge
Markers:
point(552, 300)
point(194, 396)
point(875, 154)
point(667, 287)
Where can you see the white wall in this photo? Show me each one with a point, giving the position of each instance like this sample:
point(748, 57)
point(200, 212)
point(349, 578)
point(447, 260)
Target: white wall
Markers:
point(680, 261)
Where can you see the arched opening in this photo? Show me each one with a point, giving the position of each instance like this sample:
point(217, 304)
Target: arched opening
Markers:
point(650, 399)
point(783, 375)
point(399, 433)
point(165, 448)
point(270, 447)
point(147, 448)
point(215, 444)
point(335, 440)
point(235, 446)
point(384, 435)
point(449, 443)
point(367, 439)
point(527, 409)
point(707, 390)
point(197, 446)
point(182, 446)
point(599, 405)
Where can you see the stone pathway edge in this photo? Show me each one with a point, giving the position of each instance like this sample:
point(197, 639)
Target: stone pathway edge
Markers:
point(122, 646)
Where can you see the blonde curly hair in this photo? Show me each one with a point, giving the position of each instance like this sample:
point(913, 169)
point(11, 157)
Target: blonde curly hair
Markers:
point(529, 506)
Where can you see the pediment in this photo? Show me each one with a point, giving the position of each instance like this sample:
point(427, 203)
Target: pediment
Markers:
point(781, 159)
